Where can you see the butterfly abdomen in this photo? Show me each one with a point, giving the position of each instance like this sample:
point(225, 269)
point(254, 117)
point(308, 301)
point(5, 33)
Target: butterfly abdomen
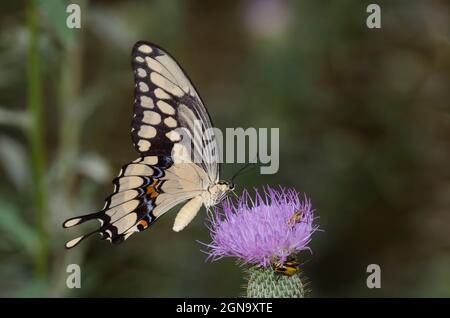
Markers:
point(187, 213)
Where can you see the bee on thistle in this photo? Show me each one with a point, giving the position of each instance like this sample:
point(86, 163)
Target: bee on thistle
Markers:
point(288, 268)
point(295, 218)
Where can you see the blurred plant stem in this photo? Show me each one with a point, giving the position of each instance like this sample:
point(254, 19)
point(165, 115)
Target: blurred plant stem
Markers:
point(36, 140)
point(70, 121)
point(69, 108)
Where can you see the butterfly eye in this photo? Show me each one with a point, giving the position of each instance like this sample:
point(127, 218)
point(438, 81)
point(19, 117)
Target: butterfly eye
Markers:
point(232, 186)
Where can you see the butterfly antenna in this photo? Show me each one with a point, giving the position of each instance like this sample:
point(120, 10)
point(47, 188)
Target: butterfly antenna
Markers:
point(248, 167)
point(241, 171)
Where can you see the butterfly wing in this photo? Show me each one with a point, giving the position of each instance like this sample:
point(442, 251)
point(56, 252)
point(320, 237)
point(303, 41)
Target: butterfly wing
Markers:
point(144, 190)
point(166, 101)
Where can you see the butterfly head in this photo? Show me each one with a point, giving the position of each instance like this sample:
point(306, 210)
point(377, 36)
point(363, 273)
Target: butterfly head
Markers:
point(218, 191)
point(225, 186)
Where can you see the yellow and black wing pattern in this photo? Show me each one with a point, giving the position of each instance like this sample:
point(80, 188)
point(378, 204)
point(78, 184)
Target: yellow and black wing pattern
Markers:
point(130, 208)
point(165, 101)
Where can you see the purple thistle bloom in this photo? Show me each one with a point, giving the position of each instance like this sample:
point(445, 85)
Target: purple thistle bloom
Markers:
point(260, 231)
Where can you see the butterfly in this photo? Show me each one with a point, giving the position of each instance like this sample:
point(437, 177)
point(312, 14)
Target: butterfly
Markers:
point(179, 159)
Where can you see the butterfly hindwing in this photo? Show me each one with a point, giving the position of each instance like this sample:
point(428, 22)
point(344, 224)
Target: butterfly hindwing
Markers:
point(144, 190)
point(131, 204)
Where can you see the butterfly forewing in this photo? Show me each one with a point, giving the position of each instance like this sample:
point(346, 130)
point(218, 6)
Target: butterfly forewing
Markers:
point(166, 101)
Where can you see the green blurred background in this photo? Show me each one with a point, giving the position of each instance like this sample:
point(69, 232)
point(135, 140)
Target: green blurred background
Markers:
point(364, 122)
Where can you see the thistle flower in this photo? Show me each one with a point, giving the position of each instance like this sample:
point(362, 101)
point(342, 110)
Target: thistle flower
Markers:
point(265, 232)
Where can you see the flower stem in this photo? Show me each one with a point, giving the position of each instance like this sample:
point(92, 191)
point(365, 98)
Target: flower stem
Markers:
point(36, 139)
point(265, 283)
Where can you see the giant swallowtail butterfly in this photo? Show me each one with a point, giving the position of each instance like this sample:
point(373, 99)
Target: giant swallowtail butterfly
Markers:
point(166, 173)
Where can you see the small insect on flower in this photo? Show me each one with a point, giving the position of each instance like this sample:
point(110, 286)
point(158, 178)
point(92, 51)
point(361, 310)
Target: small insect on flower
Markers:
point(288, 268)
point(295, 218)
point(266, 231)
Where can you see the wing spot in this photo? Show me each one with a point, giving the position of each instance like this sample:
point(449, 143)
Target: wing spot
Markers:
point(143, 87)
point(153, 64)
point(147, 131)
point(152, 190)
point(162, 82)
point(144, 145)
point(139, 59)
point(151, 117)
point(150, 160)
point(142, 225)
point(161, 94)
point(170, 122)
point(173, 136)
point(145, 49)
point(165, 107)
point(141, 72)
point(147, 102)
point(157, 67)
point(74, 242)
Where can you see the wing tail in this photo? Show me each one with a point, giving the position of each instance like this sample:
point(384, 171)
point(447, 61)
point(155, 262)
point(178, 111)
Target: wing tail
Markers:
point(83, 218)
point(115, 231)
point(74, 242)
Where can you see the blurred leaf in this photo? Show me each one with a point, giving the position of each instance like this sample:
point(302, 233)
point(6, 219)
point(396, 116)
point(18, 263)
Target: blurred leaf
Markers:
point(13, 157)
point(93, 166)
point(14, 43)
point(19, 119)
point(33, 288)
point(14, 227)
point(55, 10)
point(436, 280)
point(111, 28)
point(95, 96)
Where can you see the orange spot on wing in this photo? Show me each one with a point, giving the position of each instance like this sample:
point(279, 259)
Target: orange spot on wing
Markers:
point(151, 190)
point(144, 224)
